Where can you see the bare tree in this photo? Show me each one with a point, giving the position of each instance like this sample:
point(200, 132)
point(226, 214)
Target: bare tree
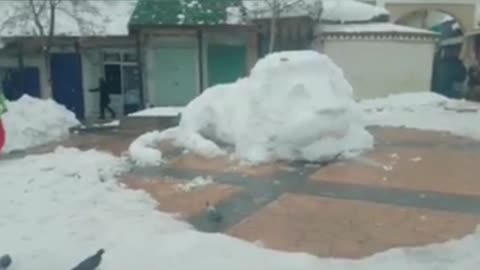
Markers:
point(276, 9)
point(39, 18)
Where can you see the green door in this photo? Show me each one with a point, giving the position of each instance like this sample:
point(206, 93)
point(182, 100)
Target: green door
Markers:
point(175, 76)
point(226, 63)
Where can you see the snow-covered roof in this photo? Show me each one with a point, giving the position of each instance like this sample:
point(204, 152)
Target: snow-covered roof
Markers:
point(73, 18)
point(287, 8)
point(376, 28)
point(333, 10)
point(351, 11)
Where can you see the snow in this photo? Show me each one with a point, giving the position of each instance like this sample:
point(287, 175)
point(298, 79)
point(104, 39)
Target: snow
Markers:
point(31, 122)
point(141, 150)
point(350, 11)
point(372, 28)
point(333, 10)
point(86, 18)
point(287, 8)
point(196, 182)
point(425, 111)
point(158, 111)
point(234, 16)
point(310, 114)
point(61, 207)
point(114, 123)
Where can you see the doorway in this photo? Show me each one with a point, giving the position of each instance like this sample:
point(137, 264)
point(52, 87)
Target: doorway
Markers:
point(123, 76)
point(67, 87)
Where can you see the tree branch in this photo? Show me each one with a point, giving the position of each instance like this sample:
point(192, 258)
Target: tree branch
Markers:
point(36, 16)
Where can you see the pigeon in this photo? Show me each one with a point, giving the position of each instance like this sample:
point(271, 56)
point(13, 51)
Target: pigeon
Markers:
point(90, 263)
point(5, 261)
point(213, 214)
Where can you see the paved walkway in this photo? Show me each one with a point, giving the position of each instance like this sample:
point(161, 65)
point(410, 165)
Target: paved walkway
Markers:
point(415, 188)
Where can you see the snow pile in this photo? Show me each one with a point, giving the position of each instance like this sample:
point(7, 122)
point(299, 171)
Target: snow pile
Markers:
point(294, 106)
point(350, 11)
point(73, 18)
point(195, 183)
point(158, 111)
point(31, 122)
point(142, 151)
point(426, 111)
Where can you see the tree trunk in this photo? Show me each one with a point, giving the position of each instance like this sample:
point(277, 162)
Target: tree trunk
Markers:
point(49, 43)
point(273, 26)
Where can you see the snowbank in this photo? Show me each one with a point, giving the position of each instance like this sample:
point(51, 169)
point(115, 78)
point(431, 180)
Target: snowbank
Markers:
point(426, 111)
point(31, 122)
point(294, 105)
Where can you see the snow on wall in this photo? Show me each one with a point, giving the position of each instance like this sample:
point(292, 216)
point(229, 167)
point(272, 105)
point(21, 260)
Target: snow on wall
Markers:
point(377, 68)
point(350, 10)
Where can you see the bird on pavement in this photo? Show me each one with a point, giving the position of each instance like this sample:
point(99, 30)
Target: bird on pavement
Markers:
point(90, 263)
point(213, 214)
point(5, 261)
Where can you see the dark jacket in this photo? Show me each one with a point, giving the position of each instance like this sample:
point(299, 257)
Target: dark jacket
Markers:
point(104, 90)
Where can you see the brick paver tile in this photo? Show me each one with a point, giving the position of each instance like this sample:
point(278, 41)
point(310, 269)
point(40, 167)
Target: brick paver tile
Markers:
point(172, 199)
point(408, 135)
point(225, 165)
point(437, 169)
point(352, 229)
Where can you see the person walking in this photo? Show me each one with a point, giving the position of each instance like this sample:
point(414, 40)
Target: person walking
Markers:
point(104, 90)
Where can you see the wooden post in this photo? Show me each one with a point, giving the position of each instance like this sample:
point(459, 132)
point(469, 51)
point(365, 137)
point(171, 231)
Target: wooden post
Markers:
point(138, 45)
point(200, 59)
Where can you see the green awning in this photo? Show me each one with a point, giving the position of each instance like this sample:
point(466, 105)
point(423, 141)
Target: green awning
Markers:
point(187, 12)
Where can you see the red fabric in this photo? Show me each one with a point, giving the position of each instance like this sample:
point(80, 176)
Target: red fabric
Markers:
point(2, 136)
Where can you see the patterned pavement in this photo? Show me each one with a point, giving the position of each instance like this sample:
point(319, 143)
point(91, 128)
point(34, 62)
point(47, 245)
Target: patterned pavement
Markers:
point(415, 188)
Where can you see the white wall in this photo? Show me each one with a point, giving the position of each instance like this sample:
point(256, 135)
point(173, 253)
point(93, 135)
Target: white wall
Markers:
point(92, 69)
point(377, 68)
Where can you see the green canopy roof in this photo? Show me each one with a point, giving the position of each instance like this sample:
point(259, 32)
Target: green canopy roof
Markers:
point(188, 12)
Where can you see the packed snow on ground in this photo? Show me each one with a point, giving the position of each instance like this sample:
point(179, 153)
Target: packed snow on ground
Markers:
point(294, 106)
point(158, 111)
point(114, 123)
point(31, 122)
point(73, 18)
point(195, 183)
point(426, 111)
point(61, 207)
